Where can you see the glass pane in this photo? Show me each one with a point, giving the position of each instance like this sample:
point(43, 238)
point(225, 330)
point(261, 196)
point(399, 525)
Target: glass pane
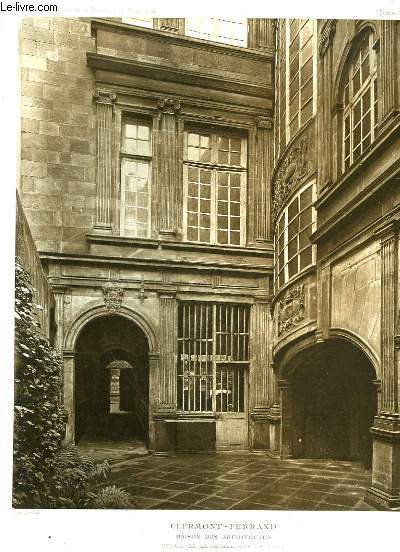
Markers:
point(293, 208)
point(292, 267)
point(306, 197)
point(293, 228)
point(305, 218)
point(136, 139)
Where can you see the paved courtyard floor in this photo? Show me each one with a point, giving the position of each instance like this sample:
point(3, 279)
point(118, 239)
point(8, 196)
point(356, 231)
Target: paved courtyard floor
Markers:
point(234, 481)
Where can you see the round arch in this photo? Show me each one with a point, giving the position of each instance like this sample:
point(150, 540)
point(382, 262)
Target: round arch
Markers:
point(348, 52)
point(310, 342)
point(100, 310)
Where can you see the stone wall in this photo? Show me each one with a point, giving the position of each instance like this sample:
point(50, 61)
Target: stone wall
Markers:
point(58, 131)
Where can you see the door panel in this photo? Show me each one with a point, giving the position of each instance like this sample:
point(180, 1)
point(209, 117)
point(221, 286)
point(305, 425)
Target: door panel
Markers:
point(231, 407)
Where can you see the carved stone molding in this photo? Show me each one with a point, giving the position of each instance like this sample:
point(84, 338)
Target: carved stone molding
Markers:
point(265, 122)
point(292, 170)
point(170, 106)
point(291, 309)
point(326, 36)
point(103, 96)
point(113, 295)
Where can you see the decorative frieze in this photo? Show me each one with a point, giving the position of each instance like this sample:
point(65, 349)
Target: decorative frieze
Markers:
point(113, 295)
point(105, 165)
point(290, 173)
point(326, 36)
point(291, 309)
point(171, 24)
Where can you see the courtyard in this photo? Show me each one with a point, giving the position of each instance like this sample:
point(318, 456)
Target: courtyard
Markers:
point(232, 480)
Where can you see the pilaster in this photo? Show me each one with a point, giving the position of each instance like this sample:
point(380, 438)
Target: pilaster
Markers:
point(166, 404)
point(261, 33)
point(260, 197)
point(324, 102)
point(69, 394)
point(105, 164)
point(169, 180)
point(388, 63)
point(384, 492)
point(286, 419)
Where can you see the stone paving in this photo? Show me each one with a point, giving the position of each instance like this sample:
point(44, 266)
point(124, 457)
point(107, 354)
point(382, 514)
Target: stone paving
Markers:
point(235, 481)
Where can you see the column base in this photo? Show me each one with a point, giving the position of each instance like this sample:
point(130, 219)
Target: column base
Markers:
point(384, 493)
point(102, 228)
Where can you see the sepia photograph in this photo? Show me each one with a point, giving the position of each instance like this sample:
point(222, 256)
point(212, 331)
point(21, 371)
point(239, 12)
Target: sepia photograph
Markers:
point(207, 276)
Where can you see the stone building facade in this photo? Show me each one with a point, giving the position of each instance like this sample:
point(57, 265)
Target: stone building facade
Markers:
point(219, 224)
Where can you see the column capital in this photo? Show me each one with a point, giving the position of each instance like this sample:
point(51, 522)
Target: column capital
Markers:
point(387, 231)
point(169, 106)
point(284, 384)
point(265, 122)
point(326, 36)
point(58, 288)
point(103, 96)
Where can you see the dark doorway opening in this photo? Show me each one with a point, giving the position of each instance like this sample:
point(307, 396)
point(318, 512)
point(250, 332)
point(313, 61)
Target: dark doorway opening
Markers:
point(332, 403)
point(111, 381)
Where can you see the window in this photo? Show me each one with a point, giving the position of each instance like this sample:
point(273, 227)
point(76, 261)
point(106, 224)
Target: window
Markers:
point(139, 21)
point(213, 357)
point(360, 102)
point(293, 249)
point(215, 187)
point(295, 82)
point(135, 179)
point(228, 30)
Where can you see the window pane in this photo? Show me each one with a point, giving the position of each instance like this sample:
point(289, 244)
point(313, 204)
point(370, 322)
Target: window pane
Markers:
point(136, 138)
point(305, 258)
point(135, 198)
point(293, 208)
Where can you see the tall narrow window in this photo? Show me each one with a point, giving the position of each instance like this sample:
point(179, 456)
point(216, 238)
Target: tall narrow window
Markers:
point(295, 76)
point(215, 177)
point(213, 357)
point(360, 102)
point(135, 179)
point(228, 30)
point(293, 249)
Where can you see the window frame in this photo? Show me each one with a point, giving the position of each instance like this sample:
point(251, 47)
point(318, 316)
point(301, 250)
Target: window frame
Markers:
point(206, 345)
point(215, 168)
point(370, 86)
point(283, 82)
point(285, 233)
point(132, 118)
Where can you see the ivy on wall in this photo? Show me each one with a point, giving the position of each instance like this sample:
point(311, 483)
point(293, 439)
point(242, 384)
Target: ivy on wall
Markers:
point(46, 474)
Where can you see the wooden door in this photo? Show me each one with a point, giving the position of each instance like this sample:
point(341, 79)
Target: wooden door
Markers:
point(231, 407)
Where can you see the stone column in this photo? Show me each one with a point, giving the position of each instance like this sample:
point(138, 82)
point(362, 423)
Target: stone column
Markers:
point(169, 178)
point(324, 102)
point(260, 374)
point(168, 354)
point(384, 492)
point(260, 184)
point(105, 159)
point(286, 419)
point(171, 24)
point(69, 394)
point(59, 293)
point(387, 63)
point(261, 34)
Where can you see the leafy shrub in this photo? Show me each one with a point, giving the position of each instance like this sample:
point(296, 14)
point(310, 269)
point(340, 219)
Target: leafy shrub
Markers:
point(46, 474)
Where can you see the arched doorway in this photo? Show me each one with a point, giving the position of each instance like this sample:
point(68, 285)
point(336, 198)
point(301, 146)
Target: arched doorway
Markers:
point(330, 403)
point(111, 380)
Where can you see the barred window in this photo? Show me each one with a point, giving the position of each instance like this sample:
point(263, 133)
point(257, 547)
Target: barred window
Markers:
point(136, 154)
point(360, 102)
point(213, 357)
point(295, 76)
point(217, 29)
point(215, 187)
point(293, 249)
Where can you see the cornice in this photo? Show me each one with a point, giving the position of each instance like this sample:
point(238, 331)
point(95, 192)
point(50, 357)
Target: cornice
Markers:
point(381, 141)
point(160, 263)
point(172, 74)
point(184, 40)
point(355, 202)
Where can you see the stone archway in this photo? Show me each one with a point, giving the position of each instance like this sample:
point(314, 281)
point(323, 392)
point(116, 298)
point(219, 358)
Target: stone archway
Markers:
point(106, 345)
point(328, 400)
